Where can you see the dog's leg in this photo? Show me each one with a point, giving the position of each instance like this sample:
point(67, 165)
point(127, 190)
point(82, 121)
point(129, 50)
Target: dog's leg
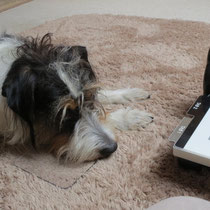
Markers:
point(129, 119)
point(122, 96)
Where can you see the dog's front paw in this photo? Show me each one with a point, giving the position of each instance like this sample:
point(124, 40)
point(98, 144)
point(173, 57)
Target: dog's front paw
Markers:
point(135, 119)
point(130, 119)
point(122, 96)
point(135, 94)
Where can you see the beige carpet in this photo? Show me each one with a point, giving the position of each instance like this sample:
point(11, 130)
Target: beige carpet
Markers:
point(164, 57)
point(8, 4)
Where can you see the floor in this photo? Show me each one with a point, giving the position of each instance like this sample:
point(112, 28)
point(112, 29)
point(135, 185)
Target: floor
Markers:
point(39, 11)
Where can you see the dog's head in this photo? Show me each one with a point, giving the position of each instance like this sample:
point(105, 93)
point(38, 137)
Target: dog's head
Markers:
point(55, 86)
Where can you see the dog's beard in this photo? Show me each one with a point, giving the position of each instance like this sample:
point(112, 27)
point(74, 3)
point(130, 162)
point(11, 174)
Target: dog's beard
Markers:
point(89, 138)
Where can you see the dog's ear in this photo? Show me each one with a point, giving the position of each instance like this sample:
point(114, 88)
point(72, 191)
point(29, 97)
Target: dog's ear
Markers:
point(18, 88)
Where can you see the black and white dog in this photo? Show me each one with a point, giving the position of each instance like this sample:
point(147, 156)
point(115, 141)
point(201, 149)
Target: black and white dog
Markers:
point(49, 96)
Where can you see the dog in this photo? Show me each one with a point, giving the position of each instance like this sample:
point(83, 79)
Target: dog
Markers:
point(50, 96)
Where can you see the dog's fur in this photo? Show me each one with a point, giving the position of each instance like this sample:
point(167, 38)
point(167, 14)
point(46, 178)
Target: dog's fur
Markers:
point(50, 96)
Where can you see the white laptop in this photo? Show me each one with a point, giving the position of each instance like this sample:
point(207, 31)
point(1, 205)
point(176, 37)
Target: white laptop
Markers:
point(192, 136)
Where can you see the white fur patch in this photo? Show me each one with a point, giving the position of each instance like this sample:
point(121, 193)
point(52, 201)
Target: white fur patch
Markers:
point(71, 81)
point(8, 48)
point(122, 96)
point(129, 119)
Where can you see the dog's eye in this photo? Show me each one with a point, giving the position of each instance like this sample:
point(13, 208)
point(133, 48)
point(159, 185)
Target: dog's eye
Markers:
point(70, 119)
point(71, 114)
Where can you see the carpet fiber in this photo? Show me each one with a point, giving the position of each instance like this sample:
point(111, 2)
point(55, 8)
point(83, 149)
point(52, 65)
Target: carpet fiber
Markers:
point(8, 4)
point(165, 57)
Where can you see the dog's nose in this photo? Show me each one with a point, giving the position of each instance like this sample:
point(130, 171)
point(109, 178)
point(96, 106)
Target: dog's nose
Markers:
point(108, 150)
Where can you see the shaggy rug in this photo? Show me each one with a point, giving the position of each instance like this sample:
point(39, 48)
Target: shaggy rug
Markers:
point(165, 57)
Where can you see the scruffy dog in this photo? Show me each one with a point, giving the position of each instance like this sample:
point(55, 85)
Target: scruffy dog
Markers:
point(49, 96)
